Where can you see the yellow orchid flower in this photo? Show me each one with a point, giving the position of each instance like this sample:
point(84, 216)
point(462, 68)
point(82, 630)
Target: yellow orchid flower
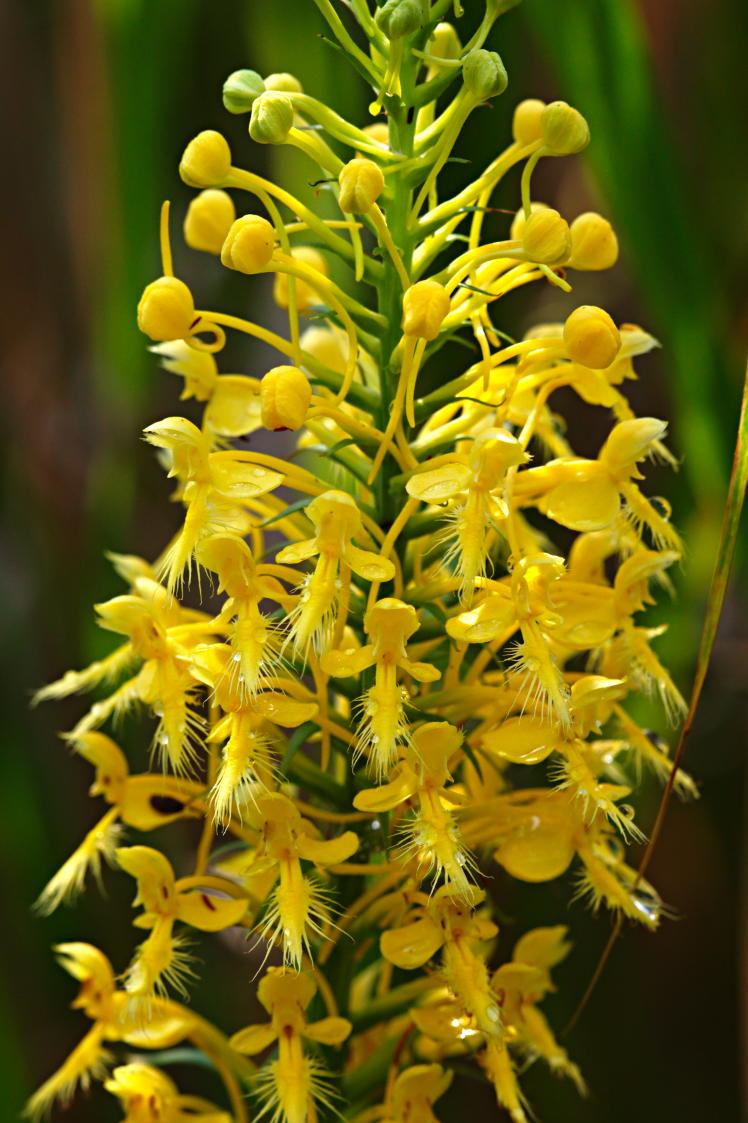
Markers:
point(447, 921)
point(255, 641)
point(232, 401)
point(432, 836)
point(414, 1092)
point(215, 488)
point(389, 623)
point(148, 1095)
point(247, 756)
point(291, 1086)
point(337, 521)
point(474, 482)
point(160, 960)
point(114, 1020)
point(298, 905)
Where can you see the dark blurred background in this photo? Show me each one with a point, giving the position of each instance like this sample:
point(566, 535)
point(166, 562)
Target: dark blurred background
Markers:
point(99, 99)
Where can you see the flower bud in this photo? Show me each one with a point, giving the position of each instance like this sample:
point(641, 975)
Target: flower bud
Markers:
point(272, 118)
point(593, 242)
point(284, 83)
point(206, 160)
point(208, 219)
point(379, 131)
point(425, 304)
point(526, 123)
point(517, 229)
point(306, 296)
point(444, 42)
point(241, 89)
point(249, 244)
point(327, 344)
point(285, 395)
point(397, 18)
point(546, 238)
point(563, 129)
point(484, 74)
point(361, 183)
point(166, 310)
point(591, 337)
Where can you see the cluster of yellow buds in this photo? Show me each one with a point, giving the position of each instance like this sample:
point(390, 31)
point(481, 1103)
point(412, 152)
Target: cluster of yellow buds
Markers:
point(424, 629)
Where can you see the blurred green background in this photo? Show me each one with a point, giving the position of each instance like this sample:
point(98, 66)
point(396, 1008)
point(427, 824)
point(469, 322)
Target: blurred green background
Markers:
point(99, 98)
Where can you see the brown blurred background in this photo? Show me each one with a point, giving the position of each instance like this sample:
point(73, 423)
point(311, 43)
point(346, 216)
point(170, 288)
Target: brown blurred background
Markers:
point(98, 100)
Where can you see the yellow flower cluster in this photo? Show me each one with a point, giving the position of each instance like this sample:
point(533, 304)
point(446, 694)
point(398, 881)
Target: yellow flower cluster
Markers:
point(424, 623)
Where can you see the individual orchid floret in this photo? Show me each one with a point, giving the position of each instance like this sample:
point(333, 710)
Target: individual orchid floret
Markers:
point(291, 1086)
point(474, 484)
point(389, 624)
point(587, 495)
point(161, 961)
point(163, 681)
point(113, 1019)
point(148, 1095)
point(232, 401)
point(414, 1092)
point(297, 907)
point(254, 640)
point(431, 836)
point(337, 521)
point(216, 486)
point(247, 758)
point(208, 220)
point(447, 921)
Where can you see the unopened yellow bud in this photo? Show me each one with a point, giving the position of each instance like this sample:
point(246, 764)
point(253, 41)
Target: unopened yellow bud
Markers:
point(591, 337)
point(444, 42)
point(526, 123)
point(563, 129)
point(272, 118)
point(166, 310)
point(484, 74)
point(361, 183)
point(208, 220)
point(517, 229)
point(206, 160)
point(306, 296)
point(328, 345)
point(241, 89)
point(397, 18)
point(284, 83)
point(249, 244)
point(425, 304)
point(593, 242)
point(379, 132)
point(285, 395)
point(546, 238)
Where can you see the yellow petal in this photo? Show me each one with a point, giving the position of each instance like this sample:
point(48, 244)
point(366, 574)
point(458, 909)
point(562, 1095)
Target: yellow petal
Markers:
point(369, 566)
point(344, 664)
point(328, 852)
point(242, 481)
point(523, 740)
point(540, 854)
point(329, 1031)
point(439, 484)
point(421, 672)
point(387, 796)
point(590, 502)
point(493, 617)
point(208, 913)
point(234, 408)
point(543, 947)
point(297, 552)
point(253, 1039)
point(411, 946)
point(283, 710)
